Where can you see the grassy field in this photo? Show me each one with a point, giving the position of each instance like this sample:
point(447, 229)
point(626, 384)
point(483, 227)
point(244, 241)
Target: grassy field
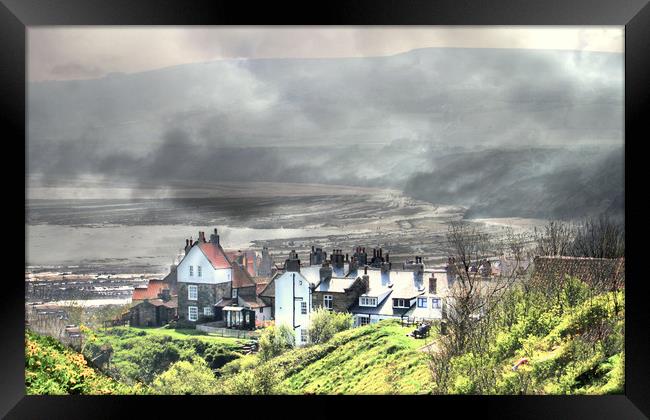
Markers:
point(184, 334)
point(374, 359)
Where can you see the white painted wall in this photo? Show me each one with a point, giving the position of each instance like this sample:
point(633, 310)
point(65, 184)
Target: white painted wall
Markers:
point(265, 315)
point(285, 295)
point(209, 275)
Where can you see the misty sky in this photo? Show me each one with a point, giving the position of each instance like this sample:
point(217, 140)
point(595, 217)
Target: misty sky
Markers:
point(251, 103)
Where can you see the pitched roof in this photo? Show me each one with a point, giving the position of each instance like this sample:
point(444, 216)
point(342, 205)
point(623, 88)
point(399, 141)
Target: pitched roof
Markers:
point(592, 271)
point(151, 291)
point(260, 284)
point(240, 277)
point(215, 254)
point(224, 302)
point(173, 303)
point(335, 284)
point(251, 302)
point(269, 290)
point(238, 256)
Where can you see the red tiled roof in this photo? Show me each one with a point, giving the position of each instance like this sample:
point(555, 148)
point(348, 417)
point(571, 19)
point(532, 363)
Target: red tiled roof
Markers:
point(238, 256)
point(215, 255)
point(151, 291)
point(259, 287)
point(240, 278)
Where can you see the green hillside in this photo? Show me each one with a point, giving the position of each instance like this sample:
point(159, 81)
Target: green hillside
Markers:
point(573, 340)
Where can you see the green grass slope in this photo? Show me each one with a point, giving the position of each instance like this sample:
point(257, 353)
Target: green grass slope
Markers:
point(54, 369)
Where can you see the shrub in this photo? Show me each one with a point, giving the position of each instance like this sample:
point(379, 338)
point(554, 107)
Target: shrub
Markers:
point(324, 324)
point(186, 378)
point(275, 340)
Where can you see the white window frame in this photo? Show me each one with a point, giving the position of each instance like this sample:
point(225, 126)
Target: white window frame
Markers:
point(191, 271)
point(303, 308)
point(397, 301)
point(364, 318)
point(199, 271)
point(208, 311)
point(367, 301)
point(422, 302)
point(193, 310)
point(234, 294)
point(304, 335)
point(436, 303)
point(328, 301)
point(192, 288)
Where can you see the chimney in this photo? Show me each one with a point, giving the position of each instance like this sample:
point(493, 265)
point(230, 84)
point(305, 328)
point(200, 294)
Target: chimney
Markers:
point(165, 295)
point(292, 263)
point(325, 272)
point(433, 283)
point(214, 238)
point(201, 237)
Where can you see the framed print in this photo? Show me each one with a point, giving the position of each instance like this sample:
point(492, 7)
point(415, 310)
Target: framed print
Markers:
point(417, 205)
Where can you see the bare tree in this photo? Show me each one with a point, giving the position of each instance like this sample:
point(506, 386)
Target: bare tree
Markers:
point(555, 240)
point(476, 286)
point(600, 237)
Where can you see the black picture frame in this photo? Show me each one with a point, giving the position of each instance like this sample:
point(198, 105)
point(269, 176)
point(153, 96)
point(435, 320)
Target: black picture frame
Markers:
point(16, 15)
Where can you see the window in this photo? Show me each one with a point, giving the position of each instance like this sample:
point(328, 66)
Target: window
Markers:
point(364, 320)
point(400, 303)
point(192, 292)
point(234, 293)
point(435, 303)
point(192, 313)
point(303, 308)
point(207, 311)
point(198, 271)
point(327, 301)
point(422, 302)
point(191, 270)
point(303, 335)
point(261, 310)
point(367, 301)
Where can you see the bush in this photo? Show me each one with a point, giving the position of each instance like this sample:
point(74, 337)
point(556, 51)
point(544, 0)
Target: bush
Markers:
point(186, 378)
point(54, 369)
point(265, 379)
point(324, 324)
point(275, 340)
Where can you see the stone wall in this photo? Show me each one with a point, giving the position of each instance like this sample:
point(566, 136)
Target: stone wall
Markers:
point(208, 295)
point(143, 315)
point(341, 302)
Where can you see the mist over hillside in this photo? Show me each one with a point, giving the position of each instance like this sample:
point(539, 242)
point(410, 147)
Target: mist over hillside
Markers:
point(555, 183)
point(485, 128)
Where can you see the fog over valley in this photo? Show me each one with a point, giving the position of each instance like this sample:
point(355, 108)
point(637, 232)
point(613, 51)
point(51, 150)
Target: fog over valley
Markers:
point(333, 151)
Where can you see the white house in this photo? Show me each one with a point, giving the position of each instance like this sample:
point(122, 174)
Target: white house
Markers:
point(292, 304)
point(204, 278)
point(205, 263)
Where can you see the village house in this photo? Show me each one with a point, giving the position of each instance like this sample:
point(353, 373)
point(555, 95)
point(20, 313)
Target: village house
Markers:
point(399, 294)
point(204, 278)
point(339, 284)
point(153, 312)
point(243, 308)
